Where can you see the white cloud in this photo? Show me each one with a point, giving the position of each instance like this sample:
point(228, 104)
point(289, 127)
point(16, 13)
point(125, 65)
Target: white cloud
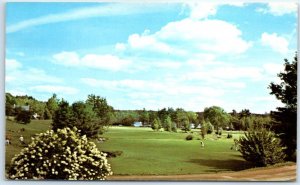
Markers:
point(120, 47)
point(162, 87)
point(12, 64)
point(15, 73)
point(188, 37)
point(205, 36)
point(280, 8)
point(202, 10)
point(106, 62)
point(273, 69)
point(277, 43)
point(67, 58)
point(84, 13)
point(54, 89)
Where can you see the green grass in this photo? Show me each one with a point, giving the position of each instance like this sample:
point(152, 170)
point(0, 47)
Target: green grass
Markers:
point(13, 130)
point(161, 153)
point(147, 152)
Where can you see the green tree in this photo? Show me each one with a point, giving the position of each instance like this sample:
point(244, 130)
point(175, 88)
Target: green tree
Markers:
point(86, 120)
point(285, 119)
point(144, 117)
point(60, 155)
point(101, 108)
point(216, 116)
point(156, 124)
point(63, 116)
point(181, 118)
point(52, 105)
point(168, 124)
point(10, 103)
point(261, 147)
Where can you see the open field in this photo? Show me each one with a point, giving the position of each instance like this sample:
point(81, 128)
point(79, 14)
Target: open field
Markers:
point(157, 153)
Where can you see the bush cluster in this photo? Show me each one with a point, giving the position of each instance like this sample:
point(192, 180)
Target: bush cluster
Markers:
point(261, 147)
point(189, 137)
point(61, 155)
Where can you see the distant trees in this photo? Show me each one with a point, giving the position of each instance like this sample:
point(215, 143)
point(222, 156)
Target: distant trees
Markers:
point(216, 116)
point(285, 119)
point(91, 117)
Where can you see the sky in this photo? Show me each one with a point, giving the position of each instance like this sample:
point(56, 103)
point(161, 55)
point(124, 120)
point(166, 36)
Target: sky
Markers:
point(182, 55)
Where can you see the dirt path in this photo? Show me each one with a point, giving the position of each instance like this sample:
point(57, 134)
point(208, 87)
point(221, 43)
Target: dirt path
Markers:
point(283, 173)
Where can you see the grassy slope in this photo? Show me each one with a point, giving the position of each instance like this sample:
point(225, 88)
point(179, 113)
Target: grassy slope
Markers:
point(13, 131)
point(149, 152)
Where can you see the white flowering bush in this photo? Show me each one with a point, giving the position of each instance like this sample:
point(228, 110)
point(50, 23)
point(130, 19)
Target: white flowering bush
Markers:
point(63, 154)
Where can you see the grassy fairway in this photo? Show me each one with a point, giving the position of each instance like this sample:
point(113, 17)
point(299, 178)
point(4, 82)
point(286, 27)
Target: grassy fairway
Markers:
point(149, 152)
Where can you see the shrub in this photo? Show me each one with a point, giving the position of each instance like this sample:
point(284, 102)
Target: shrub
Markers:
point(261, 147)
point(61, 155)
point(23, 116)
point(189, 137)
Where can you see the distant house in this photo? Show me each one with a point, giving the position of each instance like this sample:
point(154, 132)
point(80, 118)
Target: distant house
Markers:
point(137, 124)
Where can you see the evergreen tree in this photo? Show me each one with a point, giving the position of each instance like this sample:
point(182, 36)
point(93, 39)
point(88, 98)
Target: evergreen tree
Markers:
point(285, 119)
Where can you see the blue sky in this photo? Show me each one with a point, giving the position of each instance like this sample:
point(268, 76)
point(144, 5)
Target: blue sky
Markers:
point(188, 55)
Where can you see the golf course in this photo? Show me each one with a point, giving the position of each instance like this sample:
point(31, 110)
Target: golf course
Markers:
point(142, 151)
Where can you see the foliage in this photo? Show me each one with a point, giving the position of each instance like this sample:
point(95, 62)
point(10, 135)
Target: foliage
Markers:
point(51, 106)
point(186, 125)
point(80, 115)
point(23, 116)
point(156, 124)
point(144, 117)
point(285, 119)
point(189, 137)
point(206, 128)
point(216, 116)
point(167, 123)
point(101, 108)
point(10, 102)
point(63, 116)
point(63, 155)
point(85, 119)
point(261, 147)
